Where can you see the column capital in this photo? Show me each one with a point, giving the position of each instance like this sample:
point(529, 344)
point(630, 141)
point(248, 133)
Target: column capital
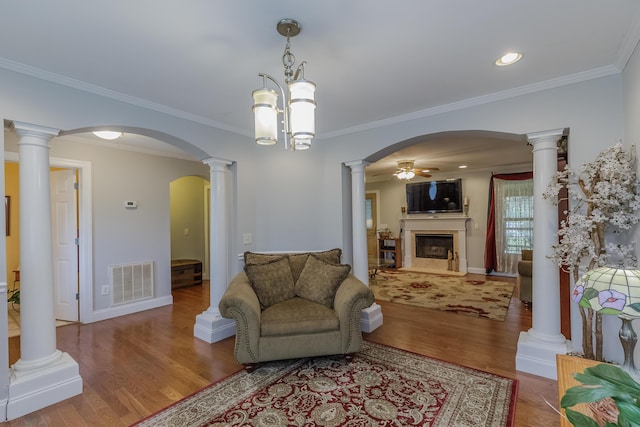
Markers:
point(548, 136)
point(27, 129)
point(356, 165)
point(217, 165)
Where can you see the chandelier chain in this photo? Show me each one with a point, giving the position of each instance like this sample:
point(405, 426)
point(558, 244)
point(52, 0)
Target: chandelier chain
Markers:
point(288, 59)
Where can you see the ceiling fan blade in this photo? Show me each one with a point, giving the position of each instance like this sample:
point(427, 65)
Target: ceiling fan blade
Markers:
point(422, 174)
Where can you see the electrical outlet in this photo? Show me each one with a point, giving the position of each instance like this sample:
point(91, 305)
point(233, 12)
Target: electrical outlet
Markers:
point(105, 290)
point(247, 238)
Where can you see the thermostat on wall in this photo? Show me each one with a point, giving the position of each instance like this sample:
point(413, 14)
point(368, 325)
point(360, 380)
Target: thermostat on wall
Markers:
point(130, 204)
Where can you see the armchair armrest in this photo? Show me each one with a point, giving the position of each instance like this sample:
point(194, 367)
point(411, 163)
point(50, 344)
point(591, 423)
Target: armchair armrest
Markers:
point(240, 303)
point(352, 297)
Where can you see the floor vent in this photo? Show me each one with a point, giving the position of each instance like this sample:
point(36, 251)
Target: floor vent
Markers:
point(131, 282)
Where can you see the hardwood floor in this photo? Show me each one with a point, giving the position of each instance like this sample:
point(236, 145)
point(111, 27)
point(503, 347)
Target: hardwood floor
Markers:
point(135, 365)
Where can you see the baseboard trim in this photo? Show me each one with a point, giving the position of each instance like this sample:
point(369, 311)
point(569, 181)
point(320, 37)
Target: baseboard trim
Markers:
point(122, 310)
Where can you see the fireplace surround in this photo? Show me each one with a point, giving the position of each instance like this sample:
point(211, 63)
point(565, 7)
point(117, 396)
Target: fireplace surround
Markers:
point(447, 251)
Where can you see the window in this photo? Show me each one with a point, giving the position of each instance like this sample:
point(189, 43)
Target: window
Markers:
point(513, 221)
point(518, 224)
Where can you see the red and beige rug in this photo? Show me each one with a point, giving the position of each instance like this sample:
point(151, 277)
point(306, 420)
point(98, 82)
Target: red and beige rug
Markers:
point(381, 386)
point(456, 294)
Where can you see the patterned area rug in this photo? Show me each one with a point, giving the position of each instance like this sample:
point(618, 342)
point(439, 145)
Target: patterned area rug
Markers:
point(381, 386)
point(457, 294)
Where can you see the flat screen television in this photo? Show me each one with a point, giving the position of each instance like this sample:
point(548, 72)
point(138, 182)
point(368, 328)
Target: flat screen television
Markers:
point(434, 196)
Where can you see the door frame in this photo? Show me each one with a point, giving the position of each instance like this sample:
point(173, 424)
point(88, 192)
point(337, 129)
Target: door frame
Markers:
point(85, 237)
point(377, 210)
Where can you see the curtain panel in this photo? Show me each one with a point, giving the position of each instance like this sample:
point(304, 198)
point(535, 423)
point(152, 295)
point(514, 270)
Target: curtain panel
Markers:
point(495, 222)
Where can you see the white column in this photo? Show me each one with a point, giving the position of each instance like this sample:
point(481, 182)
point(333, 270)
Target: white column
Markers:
point(210, 325)
point(537, 348)
point(371, 317)
point(43, 375)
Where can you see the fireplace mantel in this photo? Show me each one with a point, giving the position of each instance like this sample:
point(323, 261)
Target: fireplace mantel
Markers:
point(425, 224)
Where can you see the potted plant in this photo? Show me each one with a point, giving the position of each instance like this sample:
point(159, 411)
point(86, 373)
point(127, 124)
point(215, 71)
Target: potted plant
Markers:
point(608, 384)
point(13, 296)
point(606, 203)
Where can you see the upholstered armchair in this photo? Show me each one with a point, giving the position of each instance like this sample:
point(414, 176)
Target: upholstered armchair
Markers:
point(295, 305)
point(525, 272)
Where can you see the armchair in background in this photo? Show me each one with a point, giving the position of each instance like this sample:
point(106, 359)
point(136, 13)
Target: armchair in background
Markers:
point(525, 271)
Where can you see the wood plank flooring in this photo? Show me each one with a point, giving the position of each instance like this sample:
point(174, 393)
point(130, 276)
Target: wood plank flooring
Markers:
point(135, 365)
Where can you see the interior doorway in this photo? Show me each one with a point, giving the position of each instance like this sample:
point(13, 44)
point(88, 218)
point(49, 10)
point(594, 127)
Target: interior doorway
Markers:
point(189, 216)
point(371, 220)
point(65, 238)
point(83, 228)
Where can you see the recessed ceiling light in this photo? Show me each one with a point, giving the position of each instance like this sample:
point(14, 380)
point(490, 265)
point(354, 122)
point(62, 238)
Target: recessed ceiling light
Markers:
point(462, 167)
point(107, 134)
point(508, 59)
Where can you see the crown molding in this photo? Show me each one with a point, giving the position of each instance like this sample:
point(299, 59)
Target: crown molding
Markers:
point(117, 96)
point(480, 100)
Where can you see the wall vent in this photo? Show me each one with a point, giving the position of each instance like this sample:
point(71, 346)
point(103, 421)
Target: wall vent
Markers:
point(131, 282)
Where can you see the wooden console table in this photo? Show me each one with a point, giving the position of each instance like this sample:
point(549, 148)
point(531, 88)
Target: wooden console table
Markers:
point(185, 272)
point(387, 251)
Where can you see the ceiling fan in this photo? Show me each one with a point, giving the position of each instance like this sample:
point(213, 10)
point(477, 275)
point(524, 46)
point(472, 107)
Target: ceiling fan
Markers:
point(407, 171)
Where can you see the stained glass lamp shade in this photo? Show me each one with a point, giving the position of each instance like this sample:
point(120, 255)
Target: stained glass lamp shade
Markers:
point(611, 290)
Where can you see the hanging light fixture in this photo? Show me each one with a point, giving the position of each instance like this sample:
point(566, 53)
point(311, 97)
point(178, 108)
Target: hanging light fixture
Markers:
point(298, 103)
point(405, 170)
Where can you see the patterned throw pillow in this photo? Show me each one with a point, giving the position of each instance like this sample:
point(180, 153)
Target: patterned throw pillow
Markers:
point(251, 258)
point(333, 255)
point(297, 261)
point(320, 280)
point(271, 281)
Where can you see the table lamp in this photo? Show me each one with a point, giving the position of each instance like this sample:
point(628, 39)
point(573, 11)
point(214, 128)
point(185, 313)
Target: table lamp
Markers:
point(610, 290)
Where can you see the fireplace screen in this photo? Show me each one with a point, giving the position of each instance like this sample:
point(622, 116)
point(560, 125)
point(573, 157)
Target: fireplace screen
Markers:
point(436, 246)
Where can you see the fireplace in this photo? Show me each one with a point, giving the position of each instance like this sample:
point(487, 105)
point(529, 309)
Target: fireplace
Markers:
point(435, 243)
point(438, 246)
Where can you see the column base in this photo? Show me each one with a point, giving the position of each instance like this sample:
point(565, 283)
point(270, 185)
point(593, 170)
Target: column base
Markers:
point(538, 357)
point(31, 390)
point(371, 318)
point(212, 327)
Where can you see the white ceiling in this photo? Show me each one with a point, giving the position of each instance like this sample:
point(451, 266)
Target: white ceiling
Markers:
point(371, 60)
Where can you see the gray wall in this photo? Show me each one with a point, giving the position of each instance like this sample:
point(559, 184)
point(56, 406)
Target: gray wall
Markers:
point(120, 235)
point(299, 200)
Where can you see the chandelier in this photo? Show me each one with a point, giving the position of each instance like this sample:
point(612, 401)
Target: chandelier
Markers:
point(298, 103)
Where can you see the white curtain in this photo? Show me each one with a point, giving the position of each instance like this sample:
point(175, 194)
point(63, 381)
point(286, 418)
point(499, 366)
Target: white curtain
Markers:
point(513, 222)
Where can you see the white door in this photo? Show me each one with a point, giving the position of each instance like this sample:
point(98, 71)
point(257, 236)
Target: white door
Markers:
point(65, 250)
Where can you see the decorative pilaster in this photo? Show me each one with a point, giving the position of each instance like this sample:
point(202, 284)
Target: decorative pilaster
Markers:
point(210, 325)
point(537, 348)
point(371, 317)
point(43, 375)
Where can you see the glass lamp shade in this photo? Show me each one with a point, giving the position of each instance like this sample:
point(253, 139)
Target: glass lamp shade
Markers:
point(302, 144)
point(610, 290)
point(410, 174)
point(302, 107)
point(265, 111)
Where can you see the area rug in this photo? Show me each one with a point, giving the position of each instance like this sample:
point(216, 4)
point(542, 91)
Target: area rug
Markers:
point(456, 294)
point(380, 386)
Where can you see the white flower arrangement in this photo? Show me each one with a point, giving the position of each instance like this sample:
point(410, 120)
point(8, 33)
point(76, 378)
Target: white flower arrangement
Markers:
point(606, 201)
